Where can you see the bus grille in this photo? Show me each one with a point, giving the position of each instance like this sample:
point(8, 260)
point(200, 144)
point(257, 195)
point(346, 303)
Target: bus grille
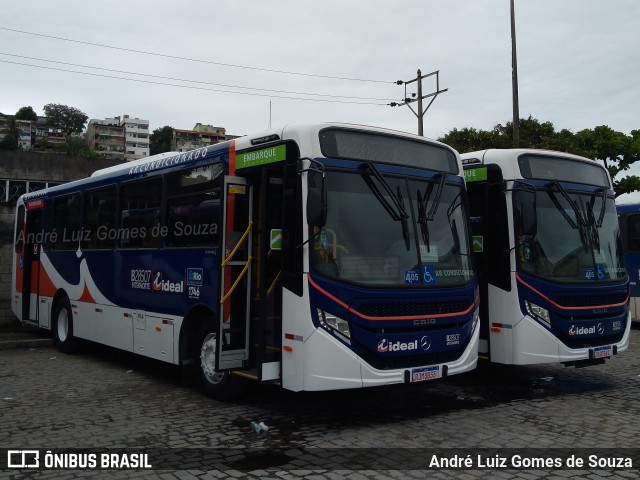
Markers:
point(595, 301)
point(413, 309)
point(410, 361)
point(592, 342)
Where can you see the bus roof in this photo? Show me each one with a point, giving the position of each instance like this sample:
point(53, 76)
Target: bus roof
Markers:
point(628, 207)
point(298, 132)
point(495, 155)
point(504, 157)
point(128, 165)
point(291, 131)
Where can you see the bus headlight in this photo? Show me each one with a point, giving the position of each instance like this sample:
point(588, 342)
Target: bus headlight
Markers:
point(475, 319)
point(537, 312)
point(332, 323)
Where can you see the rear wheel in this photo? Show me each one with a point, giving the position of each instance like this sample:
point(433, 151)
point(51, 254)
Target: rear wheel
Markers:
point(218, 385)
point(63, 337)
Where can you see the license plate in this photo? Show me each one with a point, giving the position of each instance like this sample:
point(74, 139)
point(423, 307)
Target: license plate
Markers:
point(603, 352)
point(424, 374)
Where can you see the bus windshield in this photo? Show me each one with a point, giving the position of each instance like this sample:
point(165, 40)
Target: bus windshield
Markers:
point(390, 230)
point(576, 237)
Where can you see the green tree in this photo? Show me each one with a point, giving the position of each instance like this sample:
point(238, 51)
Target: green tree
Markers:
point(27, 113)
point(470, 139)
point(11, 136)
point(160, 140)
point(616, 150)
point(533, 134)
point(68, 119)
point(78, 146)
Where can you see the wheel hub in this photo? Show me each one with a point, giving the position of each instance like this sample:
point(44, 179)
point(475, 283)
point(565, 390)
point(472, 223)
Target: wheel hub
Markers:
point(63, 325)
point(208, 359)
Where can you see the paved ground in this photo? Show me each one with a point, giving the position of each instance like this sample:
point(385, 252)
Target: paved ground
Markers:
point(102, 400)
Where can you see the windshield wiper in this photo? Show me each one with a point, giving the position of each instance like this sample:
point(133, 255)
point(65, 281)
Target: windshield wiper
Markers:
point(436, 201)
point(405, 224)
point(602, 207)
point(593, 224)
point(581, 220)
point(396, 213)
point(423, 217)
point(582, 225)
point(396, 210)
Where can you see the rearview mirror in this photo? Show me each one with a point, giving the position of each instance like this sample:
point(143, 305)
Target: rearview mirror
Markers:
point(316, 200)
point(529, 221)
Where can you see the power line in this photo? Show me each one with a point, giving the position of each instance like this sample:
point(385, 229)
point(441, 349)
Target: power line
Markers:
point(191, 81)
point(192, 87)
point(197, 60)
point(419, 97)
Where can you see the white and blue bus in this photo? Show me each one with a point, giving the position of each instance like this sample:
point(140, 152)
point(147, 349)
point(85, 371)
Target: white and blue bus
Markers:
point(549, 258)
point(629, 219)
point(318, 257)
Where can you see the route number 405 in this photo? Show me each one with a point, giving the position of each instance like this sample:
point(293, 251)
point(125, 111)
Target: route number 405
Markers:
point(411, 276)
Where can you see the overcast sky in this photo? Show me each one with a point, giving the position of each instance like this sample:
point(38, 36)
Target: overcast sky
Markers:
point(578, 61)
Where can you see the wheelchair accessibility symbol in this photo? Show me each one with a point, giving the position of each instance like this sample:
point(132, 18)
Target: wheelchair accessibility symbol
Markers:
point(428, 274)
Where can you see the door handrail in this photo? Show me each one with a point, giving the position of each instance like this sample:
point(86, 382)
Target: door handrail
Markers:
point(235, 284)
point(273, 284)
point(235, 249)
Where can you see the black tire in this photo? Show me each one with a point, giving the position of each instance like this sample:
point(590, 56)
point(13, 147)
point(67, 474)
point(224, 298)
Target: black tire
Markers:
point(221, 386)
point(63, 338)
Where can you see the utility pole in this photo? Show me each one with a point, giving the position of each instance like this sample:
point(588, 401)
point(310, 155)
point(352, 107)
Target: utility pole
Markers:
point(514, 80)
point(419, 97)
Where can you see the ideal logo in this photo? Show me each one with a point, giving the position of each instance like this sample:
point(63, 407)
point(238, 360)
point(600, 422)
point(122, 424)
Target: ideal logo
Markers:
point(160, 285)
point(586, 330)
point(385, 346)
point(194, 277)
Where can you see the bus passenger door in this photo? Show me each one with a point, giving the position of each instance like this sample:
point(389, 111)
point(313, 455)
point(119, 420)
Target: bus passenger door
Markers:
point(232, 351)
point(31, 265)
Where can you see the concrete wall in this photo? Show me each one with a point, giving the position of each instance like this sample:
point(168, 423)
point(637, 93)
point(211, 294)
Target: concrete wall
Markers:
point(37, 167)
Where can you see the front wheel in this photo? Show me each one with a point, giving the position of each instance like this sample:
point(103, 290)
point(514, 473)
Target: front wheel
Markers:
point(219, 385)
point(63, 337)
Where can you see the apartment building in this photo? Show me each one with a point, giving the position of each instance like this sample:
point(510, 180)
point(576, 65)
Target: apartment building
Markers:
point(136, 138)
point(39, 135)
point(106, 137)
point(119, 138)
point(200, 136)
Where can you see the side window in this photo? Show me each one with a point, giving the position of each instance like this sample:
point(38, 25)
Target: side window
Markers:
point(193, 206)
point(67, 221)
point(100, 218)
point(633, 233)
point(19, 233)
point(140, 213)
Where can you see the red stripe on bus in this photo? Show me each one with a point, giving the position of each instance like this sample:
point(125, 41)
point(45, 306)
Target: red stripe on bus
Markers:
point(232, 158)
point(19, 273)
point(412, 317)
point(47, 287)
point(569, 308)
point(230, 205)
point(86, 296)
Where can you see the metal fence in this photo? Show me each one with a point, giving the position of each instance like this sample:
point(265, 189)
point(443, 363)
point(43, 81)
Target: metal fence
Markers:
point(10, 190)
